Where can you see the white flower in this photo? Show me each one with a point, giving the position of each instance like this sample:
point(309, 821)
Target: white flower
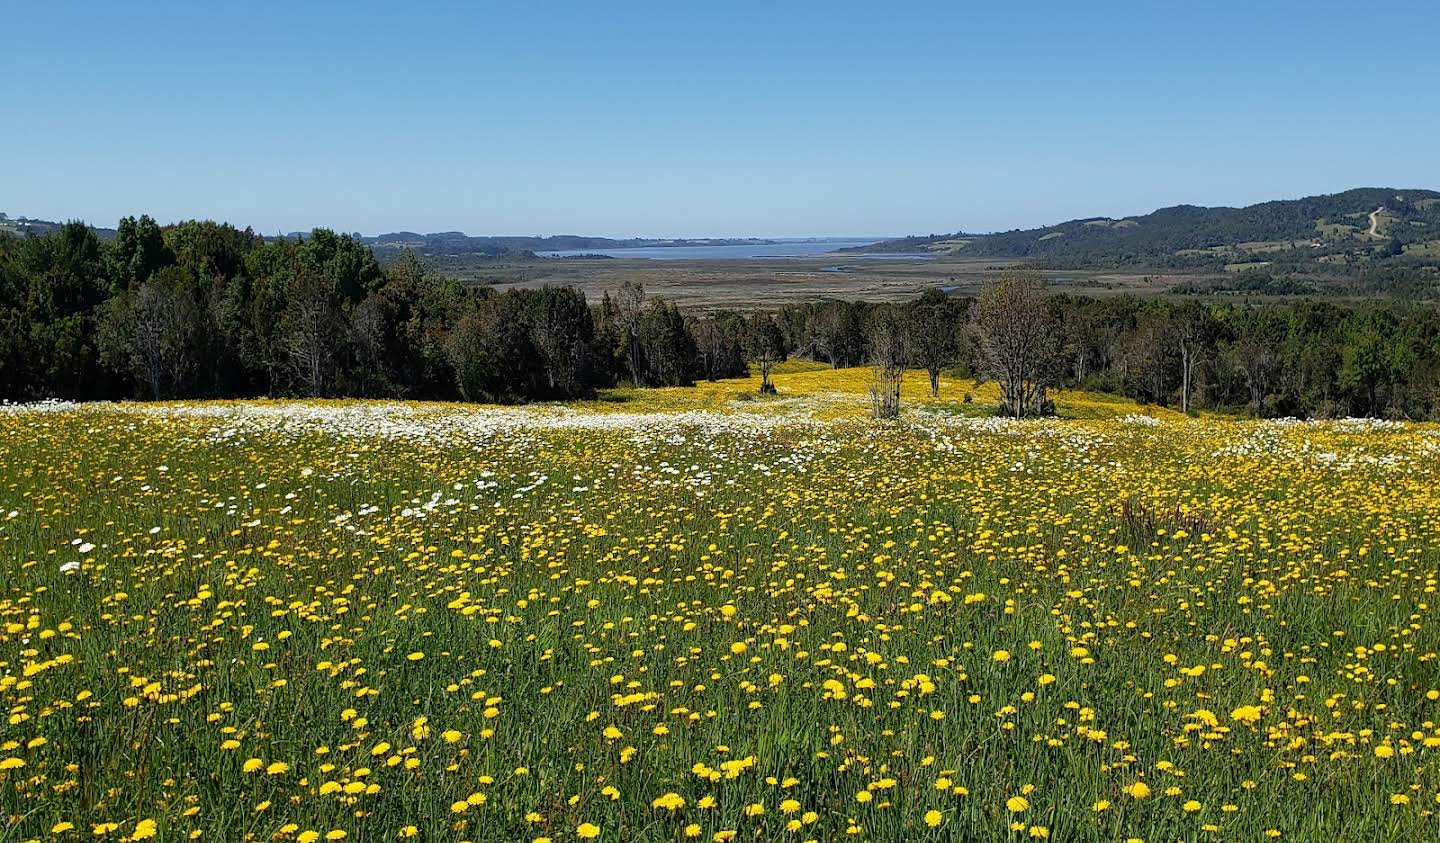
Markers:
point(72, 565)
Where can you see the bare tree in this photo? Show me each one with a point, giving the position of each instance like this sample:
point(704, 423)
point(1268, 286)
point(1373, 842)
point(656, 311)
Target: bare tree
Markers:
point(1192, 336)
point(1019, 341)
point(1149, 356)
point(889, 355)
point(154, 333)
point(312, 323)
point(838, 332)
point(629, 307)
point(720, 343)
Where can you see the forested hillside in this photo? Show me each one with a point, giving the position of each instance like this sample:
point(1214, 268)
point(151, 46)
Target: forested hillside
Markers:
point(1352, 232)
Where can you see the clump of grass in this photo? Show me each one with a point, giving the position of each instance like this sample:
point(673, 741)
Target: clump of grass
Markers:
point(1142, 521)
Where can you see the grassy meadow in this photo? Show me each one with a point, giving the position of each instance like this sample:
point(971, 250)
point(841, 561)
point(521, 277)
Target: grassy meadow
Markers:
point(697, 614)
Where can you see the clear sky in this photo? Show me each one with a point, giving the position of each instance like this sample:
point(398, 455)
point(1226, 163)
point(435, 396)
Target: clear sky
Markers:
point(721, 119)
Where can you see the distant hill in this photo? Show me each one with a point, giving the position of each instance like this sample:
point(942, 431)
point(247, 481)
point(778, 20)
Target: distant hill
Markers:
point(1359, 227)
point(20, 225)
point(455, 243)
point(448, 243)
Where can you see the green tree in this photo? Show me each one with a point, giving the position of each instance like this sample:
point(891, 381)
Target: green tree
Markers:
point(934, 320)
point(765, 346)
point(137, 252)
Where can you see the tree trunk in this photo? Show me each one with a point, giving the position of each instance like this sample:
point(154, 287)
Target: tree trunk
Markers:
point(1184, 377)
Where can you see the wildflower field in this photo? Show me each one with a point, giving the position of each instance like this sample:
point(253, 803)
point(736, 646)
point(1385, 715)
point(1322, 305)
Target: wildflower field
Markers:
point(687, 614)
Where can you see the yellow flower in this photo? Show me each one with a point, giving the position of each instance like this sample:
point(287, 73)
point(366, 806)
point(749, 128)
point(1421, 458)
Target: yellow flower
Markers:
point(1001, 655)
point(144, 830)
point(933, 818)
point(587, 831)
point(1247, 714)
point(1017, 804)
point(1138, 790)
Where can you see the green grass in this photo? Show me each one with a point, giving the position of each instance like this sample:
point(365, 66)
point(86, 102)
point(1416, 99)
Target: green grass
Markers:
point(802, 590)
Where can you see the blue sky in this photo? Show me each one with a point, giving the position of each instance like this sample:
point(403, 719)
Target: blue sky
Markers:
point(676, 119)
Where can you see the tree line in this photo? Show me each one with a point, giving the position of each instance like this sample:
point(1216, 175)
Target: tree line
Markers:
point(205, 310)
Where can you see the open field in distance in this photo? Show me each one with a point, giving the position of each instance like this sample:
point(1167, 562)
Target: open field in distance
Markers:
point(775, 282)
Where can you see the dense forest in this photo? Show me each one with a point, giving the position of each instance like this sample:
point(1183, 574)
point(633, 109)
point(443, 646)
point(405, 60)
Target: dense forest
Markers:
point(206, 310)
point(202, 309)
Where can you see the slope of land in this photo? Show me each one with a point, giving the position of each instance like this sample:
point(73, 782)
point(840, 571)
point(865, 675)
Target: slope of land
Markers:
point(1361, 227)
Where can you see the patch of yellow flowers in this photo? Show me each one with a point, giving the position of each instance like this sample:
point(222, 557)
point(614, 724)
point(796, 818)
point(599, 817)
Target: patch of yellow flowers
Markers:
point(707, 618)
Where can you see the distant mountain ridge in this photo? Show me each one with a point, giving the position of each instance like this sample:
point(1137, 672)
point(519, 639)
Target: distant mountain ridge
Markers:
point(451, 243)
point(458, 243)
point(1374, 222)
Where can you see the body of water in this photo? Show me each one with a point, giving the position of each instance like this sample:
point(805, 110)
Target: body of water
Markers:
point(778, 249)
